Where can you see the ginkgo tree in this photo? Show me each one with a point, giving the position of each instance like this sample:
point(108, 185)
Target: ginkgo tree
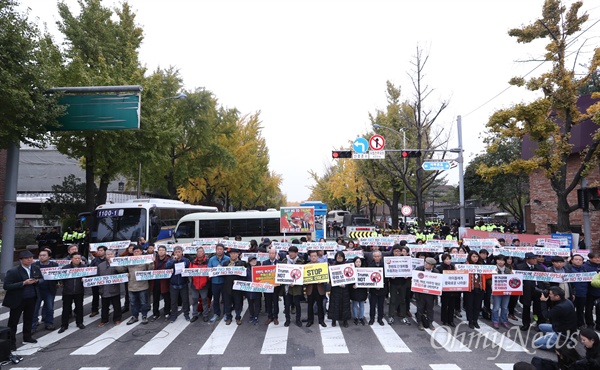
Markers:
point(549, 120)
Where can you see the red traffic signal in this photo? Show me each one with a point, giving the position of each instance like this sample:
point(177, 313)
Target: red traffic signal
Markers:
point(594, 196)
point(411, 154)
point(335, 154)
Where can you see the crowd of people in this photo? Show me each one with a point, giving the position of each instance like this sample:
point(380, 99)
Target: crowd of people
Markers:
point(560, 310)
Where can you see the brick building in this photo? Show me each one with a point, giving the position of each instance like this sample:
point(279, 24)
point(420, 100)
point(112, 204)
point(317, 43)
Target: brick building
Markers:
point(2, 184)
point(541, 212)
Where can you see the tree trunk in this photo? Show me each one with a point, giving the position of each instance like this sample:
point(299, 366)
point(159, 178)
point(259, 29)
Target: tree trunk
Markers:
point(102, 189)
point(563, 223)
point(394, 208)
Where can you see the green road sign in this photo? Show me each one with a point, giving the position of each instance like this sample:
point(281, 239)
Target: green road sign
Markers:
point(100, 112)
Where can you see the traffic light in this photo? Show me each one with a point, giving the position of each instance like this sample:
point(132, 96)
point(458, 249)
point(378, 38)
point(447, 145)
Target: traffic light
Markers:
point(335, 154)
point(594, 197)
point(411, 154)
point(583, 199)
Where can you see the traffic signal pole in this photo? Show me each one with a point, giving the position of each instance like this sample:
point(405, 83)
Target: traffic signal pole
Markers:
point(461, 180)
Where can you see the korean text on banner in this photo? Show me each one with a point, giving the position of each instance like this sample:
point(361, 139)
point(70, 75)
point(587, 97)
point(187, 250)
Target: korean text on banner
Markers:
point(289, 274)
point(477, 269)
point(315, 273)
point(104, 280)
point(369, 277)
point(263, 274)
point(397, 266)
point(247, 286)
point(196, 271)
point(110, 245)
point(70, 273)
point(427, 282)
point(342, 274)
point(552, 277)
point(228, 270)
point(456, 281)
point(153, 274)
point(237, 244)
point(507, 284)
point(132, 260)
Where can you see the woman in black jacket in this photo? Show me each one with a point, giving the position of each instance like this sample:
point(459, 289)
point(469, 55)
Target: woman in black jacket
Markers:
point(448, 298)
point(359, 297)
point(590, 340)
point(339, 298)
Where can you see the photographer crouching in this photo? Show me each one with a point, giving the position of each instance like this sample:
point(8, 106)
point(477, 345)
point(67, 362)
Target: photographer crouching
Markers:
point(562, 316)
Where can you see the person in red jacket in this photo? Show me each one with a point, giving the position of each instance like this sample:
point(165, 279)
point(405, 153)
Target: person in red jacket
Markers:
point(161, 287)
point(199, 286)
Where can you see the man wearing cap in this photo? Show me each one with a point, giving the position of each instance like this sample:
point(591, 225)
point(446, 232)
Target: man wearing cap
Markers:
point(425, 301)
point(530, 293)
point(265, 245)
point(233, 299)
point(22, 289)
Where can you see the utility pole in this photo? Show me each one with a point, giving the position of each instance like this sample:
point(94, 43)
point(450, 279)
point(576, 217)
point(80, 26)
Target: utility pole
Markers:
point(461, 180)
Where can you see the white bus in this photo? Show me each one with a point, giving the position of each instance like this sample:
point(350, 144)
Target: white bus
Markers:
point(247, 224)
point(154, 219)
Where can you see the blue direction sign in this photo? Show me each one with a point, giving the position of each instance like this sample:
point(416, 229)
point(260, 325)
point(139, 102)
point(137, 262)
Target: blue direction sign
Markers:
point(360, 145)
point(436, 166)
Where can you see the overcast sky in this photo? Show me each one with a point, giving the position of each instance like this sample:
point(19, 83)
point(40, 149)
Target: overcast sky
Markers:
point(316, 69)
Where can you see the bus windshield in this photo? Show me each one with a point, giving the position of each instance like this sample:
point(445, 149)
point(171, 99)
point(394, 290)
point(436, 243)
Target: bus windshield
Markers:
point(119, 224)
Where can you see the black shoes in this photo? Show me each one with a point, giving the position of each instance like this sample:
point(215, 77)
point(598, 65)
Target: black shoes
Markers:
point(322, 323)
point(286, 323)
point(29, 340)
point(345, 323)
point(333, 323)
point(193, 319)
point(308, 324)
point(62, 329)
point(371, 322)
point(299, 323)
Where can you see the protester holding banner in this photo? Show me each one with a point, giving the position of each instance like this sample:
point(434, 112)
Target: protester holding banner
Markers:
point(179, 284)
point(272, 299)
point(127, 253)
point(448, 298)
point(72, 293)
point(425, 302)
point(233, 299)
point(161, 287)
point(339, 298)
point(500, 302)
point(358, 296)
point(199, 286)
point(47, 293)
point(593, 264)
point(100, 252)
point(531, 295)
point(474, 298)
point(111, 294)
point(252, 297)
point(219, 259)
point(138, 289)
point(514, 299)
point(580, 289)
point(377, 295)
point(315, 293)
point(293, 292)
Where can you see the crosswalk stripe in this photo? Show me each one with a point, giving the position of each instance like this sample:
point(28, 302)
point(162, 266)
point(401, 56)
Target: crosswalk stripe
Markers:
point(166, 368)
point(506, 366)
point(161, 340)
point(99, 343)
point(57, 314)
point(333, 339)
point(389, 339)
point(499, 339)
point(306, 367)
point(94, 368)
point(275, 342)
point(443, 337)
point(444, 367)
point(376, 367)
point(25, 368)
point(235, 368)
point(220, 337)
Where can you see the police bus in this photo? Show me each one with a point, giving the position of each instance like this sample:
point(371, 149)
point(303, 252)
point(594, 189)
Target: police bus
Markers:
point(247, 224)
point(153, 219)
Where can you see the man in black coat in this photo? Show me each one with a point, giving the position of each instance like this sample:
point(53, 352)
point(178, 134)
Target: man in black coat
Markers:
point(272, 299)
point(21, 286)
point(530, 293)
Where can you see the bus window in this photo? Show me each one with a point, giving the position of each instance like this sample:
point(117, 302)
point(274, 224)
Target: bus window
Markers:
point(271, 227)
point(185, 230)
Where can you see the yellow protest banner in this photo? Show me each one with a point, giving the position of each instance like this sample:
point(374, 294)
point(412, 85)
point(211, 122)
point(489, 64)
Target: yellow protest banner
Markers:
point(316, 273)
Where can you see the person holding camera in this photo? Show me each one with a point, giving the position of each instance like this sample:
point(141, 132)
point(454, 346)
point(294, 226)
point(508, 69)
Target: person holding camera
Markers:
point(562, 316)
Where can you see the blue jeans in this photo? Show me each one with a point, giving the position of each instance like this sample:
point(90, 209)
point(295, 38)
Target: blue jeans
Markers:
point(358, 309)
point(547, 341)
point(47, 298)
point(500, 302)
point(138, 302)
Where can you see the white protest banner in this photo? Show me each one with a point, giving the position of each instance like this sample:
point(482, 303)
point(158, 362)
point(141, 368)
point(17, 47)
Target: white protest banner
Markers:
point(70, 273)
point(281, 246)
point(577, 277)
point(458, 257)
point(260, 256)
point(417, 248)
point(481, 243)
point(62, 262)
point(289, 274)
point(540, 241)
point(379, 241)
point(456, 281)
point(510, 252)
point(552, 243)
point(320, 246)
point(416, 262)
point(427, 282)
point(197, 271)
point(369, 277)
point(582, 252)
point(552, 277)
point(237, 244)
point(191, 249)
point(46, 270)
point(104, 280)
point(132, 260)
point(153, 274)
point(443, 243)
point(507, 284)
point(397, 266)
point(562, 252)
point(248, 286)
point(228, 270)
point(110, 245)
point(408, 238)
point(342, 274)
point(477, 269)
point(350, 255)
point(203, 242)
